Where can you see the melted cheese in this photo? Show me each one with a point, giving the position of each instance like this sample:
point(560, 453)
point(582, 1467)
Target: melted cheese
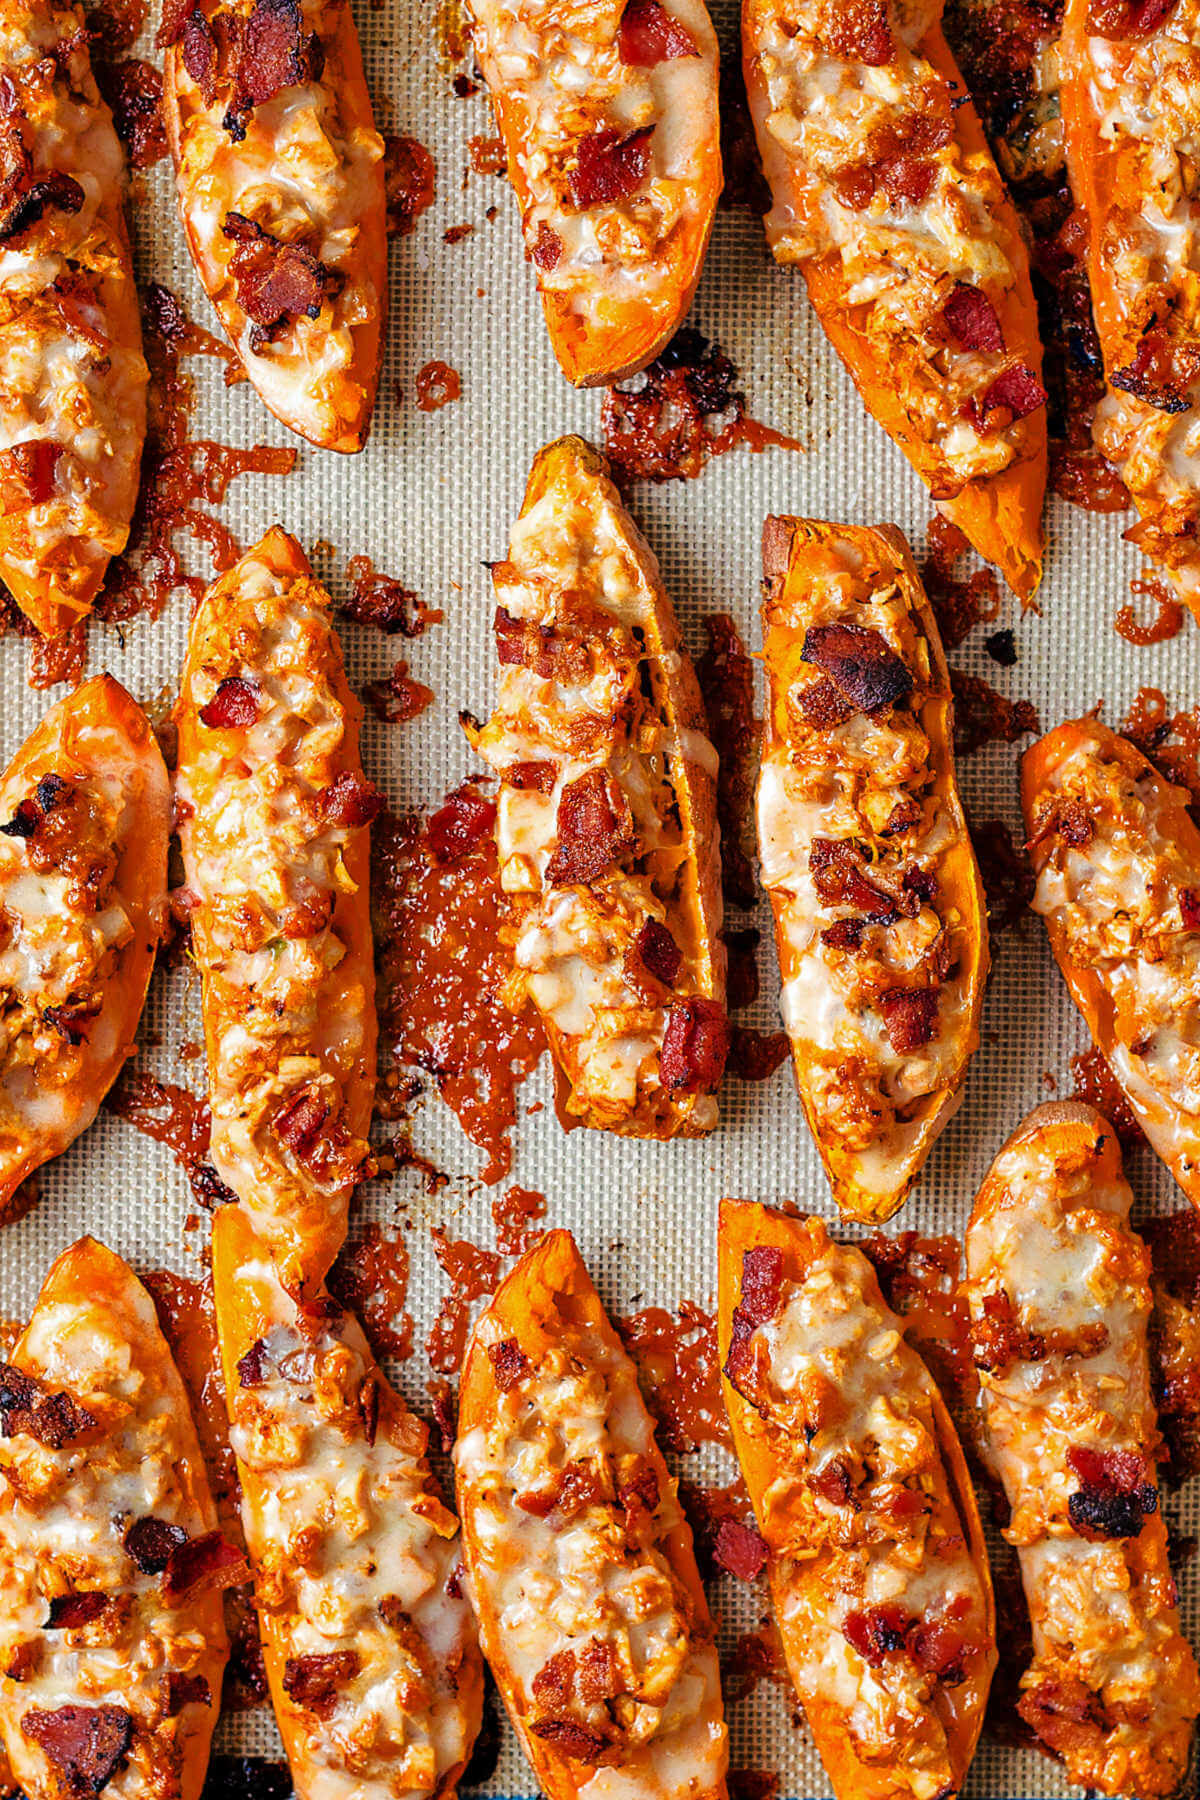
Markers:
point(1054, 1238)
point(58, 385)
point(559, 65)
point(354, 1553)
point(63, 1518)
point(553, 1585)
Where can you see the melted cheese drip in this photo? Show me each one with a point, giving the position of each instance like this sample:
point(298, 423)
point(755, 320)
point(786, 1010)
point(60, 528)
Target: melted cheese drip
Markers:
point(343, 1532)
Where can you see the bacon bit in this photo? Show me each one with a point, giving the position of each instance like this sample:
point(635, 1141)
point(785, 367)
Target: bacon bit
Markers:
point(547, 249)
point(28, 474)
point(595, 829)
point(461, 825)
point(845, 935)
point(252, 1367)
point(859, 31)
point(301, 1124)
point(1016, 392)
point(570, 1739)
point(25, 820)
point(1064, 1713)
point(695, 1046)
point(599, 1677)
point(437, 386)
point(608, 167)
point(973, 319)
point(835, 1483)
point(276, 53)
point(910, 1015)
point(1113, 1499)
point(70, 1021)
point(1189, 908)
point(24, 202)
point(570, 1491)
point(554, 1683)
point(838, 877)
point(509, 1364)
point(454, 234)
point(1118, 19)
point(133, 89)
point(660, 955)
point(939, 1649)
point(641, 1491)
point(199, 52)
point(186, 1690)
point(531, 777)
point(87, 1743)
point(650, 35)
point(26, 1409)
point(369, 1395)
point(313, 1682)
point(175, 15)
point(554, 655)
point(234, 706)
point(998, 1339)
point(25, 1659)
point(877, 1633)
point(860, 662)
point(409, 176)
point(1068, 819)
point(385, 603)
point(740, 1550)
point(762, 1284)
point(898, 162)
point(822, 706)
point(1159, 374)
point(276, 282)
point(204, 1564)
point(350, 800)
point(69, 1611)
point(983, 716)
point(399, 697)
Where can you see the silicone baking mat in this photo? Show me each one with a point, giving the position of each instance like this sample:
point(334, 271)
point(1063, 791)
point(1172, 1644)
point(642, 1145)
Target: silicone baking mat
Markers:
point(429, 500)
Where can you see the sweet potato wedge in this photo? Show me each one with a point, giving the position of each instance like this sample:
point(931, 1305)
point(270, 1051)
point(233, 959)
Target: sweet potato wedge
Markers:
point(572, 1532)
point(73, 400)
point(879, 911)
point(870, 146)
point(1059, 1294)
point(1127, 104)
point(606, 823)
point(279, 170)
point(876, 1558)
point(368, 1639)
point(273, 813)
point(1117, 859)
point(85, 812)
point(112, 1636)
point(609, 118)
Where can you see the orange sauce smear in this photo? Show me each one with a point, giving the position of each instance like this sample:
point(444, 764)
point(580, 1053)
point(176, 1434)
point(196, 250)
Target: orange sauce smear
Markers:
point(676, 1357)
point(370, 1278)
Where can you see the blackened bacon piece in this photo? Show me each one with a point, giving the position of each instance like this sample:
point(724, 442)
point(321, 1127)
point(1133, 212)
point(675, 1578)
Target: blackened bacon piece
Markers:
point(150, 1541)
point(1114, 1499)
point(877, 1632)
point(609, 167)
point(23, 200)
point(972, 318)
point(350, 800)
point(695, 1046)
point(595, 829)
point(840, 880)
point(234, 706)
point(277, 283)
point(910, 1015)
point(87, 1743)
point(277, 52)
point(26, 1408)
point(314, 1682)
point(571, 1739)
point(1159, 373)
point(69, 1611)
point(198, 48)
point(204, 1563)
point(860, 662)
point(859, 31)
point(740, 1549)
point(28, 474)
point(509, 1363)
point(1017, 391)
point(650, 35)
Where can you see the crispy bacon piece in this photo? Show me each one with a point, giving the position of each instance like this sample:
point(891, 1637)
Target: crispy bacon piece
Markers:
point(571, 1739)
point(939, 1649)
point(314, 1682)
point(1064, 1713)
point(509, 1363)
point(1160, 373)
point(649, 35)
point(69, 1611)
point(899, 162)
point(301, 1124)
point(599, 1676)
point(877, 1632)
point(1016, 391)
point(861, 663)
point(859, 31)
point(24, 201)
point(547, 248)
point(845, 934)
point(26, 1407)
point(554, 655)
point(70, 1021)
point(572, 1490)
point(640, 1489)
point(554, 1683)
point(88, 1743)
point(823, 706)
point(762, 1284)
point(740, 1549)
point(1118, 19)
point(910, 1015)
point(252, 1367)
point(595, 829)
point(609, 167)
point(998, 1339)
point(660, 955)
point(276, 282)
point(838, 876)
point(972, 318)
point(538, 777)
point(186, 1690)
point(175, 15)
point(234, 706)
point(199, 51)
point(461, 825)
point(350, 800)
point(1189, 907)
point(205, 1562)
point(276, 53)
point(150, 1541)
point(695, 1046)
point(1067, 819)
point(835, 1483)
point(28, 474)
point(1114, 1499)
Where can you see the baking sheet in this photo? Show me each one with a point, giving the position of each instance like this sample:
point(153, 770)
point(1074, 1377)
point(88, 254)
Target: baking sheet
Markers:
point(431, 498)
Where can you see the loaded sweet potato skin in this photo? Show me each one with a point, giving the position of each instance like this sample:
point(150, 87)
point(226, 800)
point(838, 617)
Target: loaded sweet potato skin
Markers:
point(606, 821)
point(368, 1639)
point(608, 113)
point(1129, 101)
point(888, 199)
point(876, 1558)
point(879, 909)
point(73, 394)
point(1059, 1295)
point(572, 1532)
point(1117, 858)
point(112, 1636)
point(273, 813)
point(85, 811)
point(281, 192)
